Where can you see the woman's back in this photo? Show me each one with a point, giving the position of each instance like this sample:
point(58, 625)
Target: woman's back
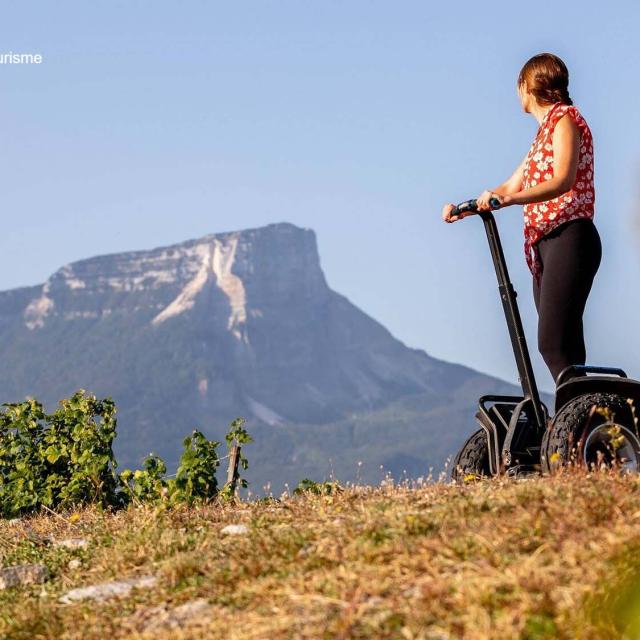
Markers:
point(540, 218)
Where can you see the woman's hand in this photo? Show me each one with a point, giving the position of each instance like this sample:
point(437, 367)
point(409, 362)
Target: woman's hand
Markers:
point(485, 196)
point(483, 205)
point(483, 200)
point(446, 213)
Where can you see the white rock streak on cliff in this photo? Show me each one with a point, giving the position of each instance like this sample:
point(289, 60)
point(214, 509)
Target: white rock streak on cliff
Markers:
point(187, 297)
point(223, 257)
point(212, 257)
point(39, 309)
point(217, 259)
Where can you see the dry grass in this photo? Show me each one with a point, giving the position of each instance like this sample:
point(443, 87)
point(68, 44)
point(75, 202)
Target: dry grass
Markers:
point(537, 558)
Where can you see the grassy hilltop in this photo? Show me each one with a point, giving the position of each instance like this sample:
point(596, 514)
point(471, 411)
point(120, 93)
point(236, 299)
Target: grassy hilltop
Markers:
point(538, 558)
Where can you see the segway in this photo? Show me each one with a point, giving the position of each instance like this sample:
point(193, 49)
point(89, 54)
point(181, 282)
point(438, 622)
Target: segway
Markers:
point(595, 422)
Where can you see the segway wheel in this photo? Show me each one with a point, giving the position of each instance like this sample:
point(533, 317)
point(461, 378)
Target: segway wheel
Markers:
point(596, 430)
point(472, 461)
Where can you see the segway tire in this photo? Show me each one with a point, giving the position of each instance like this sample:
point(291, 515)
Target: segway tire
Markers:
point(562, 439)
point(472, 460)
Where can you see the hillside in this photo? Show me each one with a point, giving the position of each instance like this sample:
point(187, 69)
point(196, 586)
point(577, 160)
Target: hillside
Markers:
point(530, 559)
point(237, 324)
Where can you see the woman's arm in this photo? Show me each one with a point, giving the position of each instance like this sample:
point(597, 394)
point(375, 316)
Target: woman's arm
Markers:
point(566, 152)
point(511, 186)
point(514, 183)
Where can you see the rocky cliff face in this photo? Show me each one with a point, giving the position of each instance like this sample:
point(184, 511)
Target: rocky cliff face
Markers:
point(195, 334)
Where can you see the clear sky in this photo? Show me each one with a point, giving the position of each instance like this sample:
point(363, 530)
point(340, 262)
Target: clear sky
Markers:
point(149, 123)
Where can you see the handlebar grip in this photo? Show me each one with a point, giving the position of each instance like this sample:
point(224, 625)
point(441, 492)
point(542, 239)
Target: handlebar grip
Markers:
point(472, 205)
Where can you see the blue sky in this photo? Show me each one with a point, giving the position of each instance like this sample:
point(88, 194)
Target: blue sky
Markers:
point(149, 123)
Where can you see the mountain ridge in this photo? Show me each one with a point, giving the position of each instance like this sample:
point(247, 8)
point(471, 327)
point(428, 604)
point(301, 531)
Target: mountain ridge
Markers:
point(240, 323)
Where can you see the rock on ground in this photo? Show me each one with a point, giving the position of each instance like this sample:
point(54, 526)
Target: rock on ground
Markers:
point(106, 590)
point(72, 543)
point(23, 574)
point(193, 613)
point(235, 530)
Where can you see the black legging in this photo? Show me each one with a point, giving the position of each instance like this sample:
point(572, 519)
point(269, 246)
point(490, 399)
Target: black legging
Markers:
point(570, 257)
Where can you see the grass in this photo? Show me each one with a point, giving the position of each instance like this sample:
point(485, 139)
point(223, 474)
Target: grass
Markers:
point(531, 559)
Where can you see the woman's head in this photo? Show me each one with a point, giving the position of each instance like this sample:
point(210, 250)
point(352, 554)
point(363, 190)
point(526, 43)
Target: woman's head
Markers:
point(544, 79)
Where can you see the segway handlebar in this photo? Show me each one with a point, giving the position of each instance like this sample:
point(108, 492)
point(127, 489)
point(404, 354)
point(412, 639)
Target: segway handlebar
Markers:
point(472, 205)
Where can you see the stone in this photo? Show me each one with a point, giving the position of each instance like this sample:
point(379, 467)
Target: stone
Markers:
point(107, 590)
point(74, 564)
point(189, 614)
point(22, 575)
point(72, 543)
point(235, 530)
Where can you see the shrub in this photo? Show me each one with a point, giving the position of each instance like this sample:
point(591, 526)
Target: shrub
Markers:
point(65, 459)
point(195, 479)
point(57, 460)
point(318, 488)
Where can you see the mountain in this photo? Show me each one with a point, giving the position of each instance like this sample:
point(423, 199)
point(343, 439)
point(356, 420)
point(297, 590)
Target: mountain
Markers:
point(238, 324)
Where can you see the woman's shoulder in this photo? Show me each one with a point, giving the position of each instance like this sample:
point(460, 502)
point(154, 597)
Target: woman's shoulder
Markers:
point(571, 110)
point(574, 114)
point(562, 109)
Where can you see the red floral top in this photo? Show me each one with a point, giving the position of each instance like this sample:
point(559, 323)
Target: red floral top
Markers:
point(542, 217)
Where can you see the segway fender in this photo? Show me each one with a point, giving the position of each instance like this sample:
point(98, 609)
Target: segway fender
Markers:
point(574, 387)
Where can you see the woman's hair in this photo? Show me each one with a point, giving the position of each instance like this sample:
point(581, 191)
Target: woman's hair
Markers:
point(547, 78)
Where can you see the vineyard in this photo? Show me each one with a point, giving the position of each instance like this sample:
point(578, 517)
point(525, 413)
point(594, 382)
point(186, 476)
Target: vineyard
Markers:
point(65, 460)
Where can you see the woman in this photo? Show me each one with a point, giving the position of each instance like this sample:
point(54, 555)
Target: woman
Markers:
point(555, 185)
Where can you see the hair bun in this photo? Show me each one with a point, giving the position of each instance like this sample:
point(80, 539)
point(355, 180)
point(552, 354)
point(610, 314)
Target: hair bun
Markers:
point(547, 78)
